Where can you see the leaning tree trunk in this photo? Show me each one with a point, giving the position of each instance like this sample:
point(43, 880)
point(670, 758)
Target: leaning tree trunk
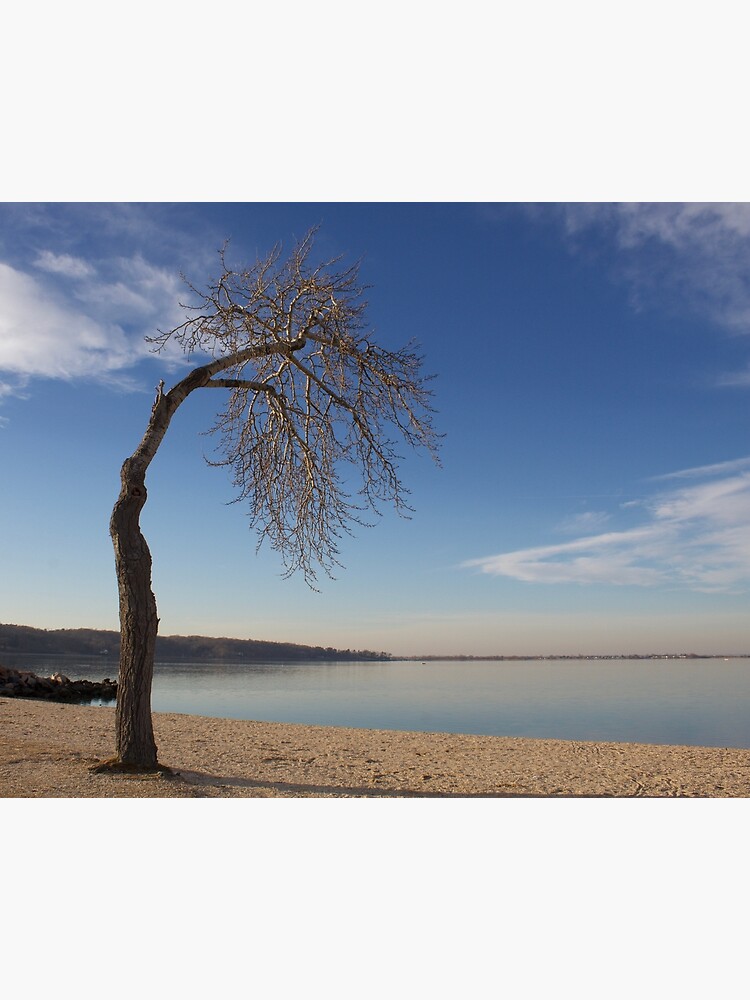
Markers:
point(134, 734)
point(138, 625)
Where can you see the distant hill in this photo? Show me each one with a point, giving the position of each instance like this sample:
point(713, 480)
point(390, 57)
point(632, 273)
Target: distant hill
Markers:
point(98, 642)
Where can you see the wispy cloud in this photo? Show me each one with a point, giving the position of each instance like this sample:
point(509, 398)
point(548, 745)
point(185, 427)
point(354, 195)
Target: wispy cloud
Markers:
point(695, 537)
point(64, 263)
point(704, 471)
point(588, 520)
point(69, 318)
point(741, 378)
point(691, 255)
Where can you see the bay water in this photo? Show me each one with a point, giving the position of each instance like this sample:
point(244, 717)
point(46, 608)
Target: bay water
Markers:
point(694, 702)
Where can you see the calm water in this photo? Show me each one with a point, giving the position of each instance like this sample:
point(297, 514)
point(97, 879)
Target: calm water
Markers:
point(693, 702)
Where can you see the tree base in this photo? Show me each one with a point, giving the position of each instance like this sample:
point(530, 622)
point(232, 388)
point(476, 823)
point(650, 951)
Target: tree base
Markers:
point(116, 766)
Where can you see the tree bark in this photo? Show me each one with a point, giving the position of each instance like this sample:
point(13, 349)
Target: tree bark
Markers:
point(139, 622)
point(135, 744)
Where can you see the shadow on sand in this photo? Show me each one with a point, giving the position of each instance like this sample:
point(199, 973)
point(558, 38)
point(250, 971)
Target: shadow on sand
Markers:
point(197, 778)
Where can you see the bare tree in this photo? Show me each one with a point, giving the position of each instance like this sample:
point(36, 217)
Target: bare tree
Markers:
point(309, 395)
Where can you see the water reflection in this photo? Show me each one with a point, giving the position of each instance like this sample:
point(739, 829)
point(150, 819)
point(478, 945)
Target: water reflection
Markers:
point(692, 702)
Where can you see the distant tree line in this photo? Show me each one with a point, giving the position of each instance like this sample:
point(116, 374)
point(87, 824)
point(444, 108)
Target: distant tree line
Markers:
point(99, 642)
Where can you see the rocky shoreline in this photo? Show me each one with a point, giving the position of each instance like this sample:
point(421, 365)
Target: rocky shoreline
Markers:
point(58, 687)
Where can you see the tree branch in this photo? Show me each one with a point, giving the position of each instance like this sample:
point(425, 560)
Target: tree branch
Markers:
point(310, 394)
point(238, 383)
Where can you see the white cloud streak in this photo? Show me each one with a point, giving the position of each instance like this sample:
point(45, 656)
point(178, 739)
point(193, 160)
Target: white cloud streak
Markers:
point(694, 537)
point(702, 471)
point(695, 254)
point(739, 379)
point(589, 520)
point(73, 319)
point(64, 263)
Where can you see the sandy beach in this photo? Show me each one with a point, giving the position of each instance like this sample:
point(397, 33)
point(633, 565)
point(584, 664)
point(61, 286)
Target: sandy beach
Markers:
point(47, 750)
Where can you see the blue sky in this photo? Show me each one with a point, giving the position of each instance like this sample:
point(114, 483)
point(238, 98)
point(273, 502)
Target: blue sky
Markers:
point(593, 369)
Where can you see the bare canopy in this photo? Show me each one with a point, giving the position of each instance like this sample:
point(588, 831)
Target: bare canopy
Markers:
point(310, 402)
point(310, 394)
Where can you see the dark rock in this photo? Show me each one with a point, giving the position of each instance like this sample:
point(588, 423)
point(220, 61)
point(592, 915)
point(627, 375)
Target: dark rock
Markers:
point(58, 687)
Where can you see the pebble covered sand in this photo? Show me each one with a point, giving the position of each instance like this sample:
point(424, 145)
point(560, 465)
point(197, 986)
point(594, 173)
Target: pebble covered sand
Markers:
point(47, 750)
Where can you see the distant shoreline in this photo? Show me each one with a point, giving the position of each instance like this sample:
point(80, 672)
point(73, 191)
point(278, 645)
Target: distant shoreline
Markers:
point(580, 656)
point(112, 658)
point(25, 640)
